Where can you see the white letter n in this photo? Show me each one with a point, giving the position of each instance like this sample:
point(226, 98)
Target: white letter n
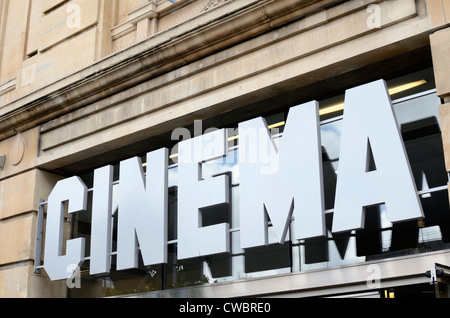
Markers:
point(143, 205)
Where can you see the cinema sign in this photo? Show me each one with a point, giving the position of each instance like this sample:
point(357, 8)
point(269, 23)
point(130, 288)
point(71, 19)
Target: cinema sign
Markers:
point(289, 190)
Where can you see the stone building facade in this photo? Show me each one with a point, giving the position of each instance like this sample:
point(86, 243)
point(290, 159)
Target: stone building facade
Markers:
point(86, 83)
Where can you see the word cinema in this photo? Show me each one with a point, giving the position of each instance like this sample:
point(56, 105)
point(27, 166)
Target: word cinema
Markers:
point(281, 182)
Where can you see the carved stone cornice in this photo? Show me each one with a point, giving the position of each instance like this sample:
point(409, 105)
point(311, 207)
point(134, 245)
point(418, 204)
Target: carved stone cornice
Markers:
point(214, 3)
point(209, 32)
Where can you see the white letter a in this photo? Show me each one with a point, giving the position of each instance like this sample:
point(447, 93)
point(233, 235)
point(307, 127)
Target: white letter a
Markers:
point(370, 127)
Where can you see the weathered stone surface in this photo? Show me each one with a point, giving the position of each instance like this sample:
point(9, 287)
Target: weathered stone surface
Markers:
point(444, 114)
point(66, 21)
point(20, 282)
point(440, 46)
point(16, 236)
point(21, 193)
point(270, 59)
point(20, 151)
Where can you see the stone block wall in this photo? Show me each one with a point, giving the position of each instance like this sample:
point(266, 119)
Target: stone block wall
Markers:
point(439, 13)
point(22, 185)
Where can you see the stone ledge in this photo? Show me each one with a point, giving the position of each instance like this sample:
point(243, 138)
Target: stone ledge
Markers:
point(206, 86)
point(8, 86)
point(238, 52)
